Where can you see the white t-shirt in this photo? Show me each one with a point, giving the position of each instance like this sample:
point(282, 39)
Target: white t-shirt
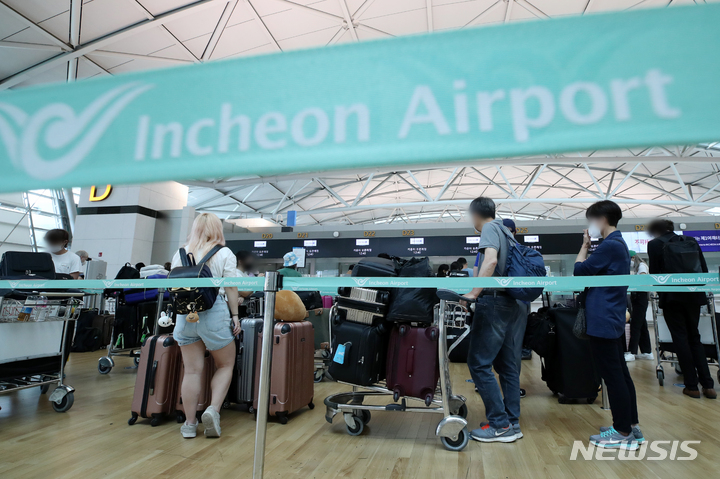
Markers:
point(641, 269)
point(223, 264)
point(67, 263)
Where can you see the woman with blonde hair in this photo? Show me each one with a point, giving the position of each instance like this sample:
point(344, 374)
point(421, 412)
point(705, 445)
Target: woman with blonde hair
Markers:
point(214, 331)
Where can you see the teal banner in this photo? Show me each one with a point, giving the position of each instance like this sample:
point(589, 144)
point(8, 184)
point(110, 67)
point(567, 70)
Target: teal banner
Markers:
point(668, 282)
point(607, 81)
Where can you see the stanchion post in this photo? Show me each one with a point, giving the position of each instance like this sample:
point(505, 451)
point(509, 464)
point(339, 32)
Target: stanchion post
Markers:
point(605, 400)
point(271, 287)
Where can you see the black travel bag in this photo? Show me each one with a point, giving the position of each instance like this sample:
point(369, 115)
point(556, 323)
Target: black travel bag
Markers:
point(311, 299)
point(24, 264)
point(365, 350)
point(413, 305)
point(374, 267)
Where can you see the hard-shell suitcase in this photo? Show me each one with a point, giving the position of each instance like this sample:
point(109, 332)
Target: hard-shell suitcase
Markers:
point(156, 380)
point(293, 367)
point(242, 386)
point(327, 302)
point(104, 322)
point(205, 397)
point(413, 362)
point(571, 371)
point(374, 267)
point(359, 353)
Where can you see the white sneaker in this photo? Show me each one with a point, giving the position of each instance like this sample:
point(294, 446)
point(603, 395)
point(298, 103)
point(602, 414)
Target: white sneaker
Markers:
point(628, 357)
point(648, 356)
point(211, 421)
point(188, 431)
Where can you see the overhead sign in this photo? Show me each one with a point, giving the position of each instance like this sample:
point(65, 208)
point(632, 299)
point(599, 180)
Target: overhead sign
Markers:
point(95, 197)
point(582, 83)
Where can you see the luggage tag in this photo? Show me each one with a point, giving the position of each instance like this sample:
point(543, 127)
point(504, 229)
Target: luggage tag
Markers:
point(340, 354)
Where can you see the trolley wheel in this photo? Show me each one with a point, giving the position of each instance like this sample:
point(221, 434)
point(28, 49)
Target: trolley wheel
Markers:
point(661, 377)
point(136, 360)
point(365, 416)
point(311, 405)
point(102, 369)
point(133, 419)
point(462, 411)
point(678, 370)
point(251, 409)
point(65, 403)
point(325, 354)
point(458, 444)
point(318, 375)
point(44, 388)
point(357, 428)
point(155, 421)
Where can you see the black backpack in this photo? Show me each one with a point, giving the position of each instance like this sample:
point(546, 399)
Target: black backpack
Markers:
point(681, 254)
point(128, 272)
point(188, 300)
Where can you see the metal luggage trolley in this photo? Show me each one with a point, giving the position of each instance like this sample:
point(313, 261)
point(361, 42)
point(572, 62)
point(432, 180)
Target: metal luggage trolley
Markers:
point(663, 340)
point(452, 428)
point(106, 363)
point(29, 334)
point(322, 363)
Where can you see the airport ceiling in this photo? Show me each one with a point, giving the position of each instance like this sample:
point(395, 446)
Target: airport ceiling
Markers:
point(120, 36)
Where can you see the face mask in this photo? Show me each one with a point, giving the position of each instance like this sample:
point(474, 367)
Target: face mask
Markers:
point(55, 248)
point(594, 230)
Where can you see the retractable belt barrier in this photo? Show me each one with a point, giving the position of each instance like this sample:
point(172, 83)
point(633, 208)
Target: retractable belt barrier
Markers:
point(706, 282)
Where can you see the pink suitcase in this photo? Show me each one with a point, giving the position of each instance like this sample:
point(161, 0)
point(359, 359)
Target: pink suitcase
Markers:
point(412, 362)
point(327, 302)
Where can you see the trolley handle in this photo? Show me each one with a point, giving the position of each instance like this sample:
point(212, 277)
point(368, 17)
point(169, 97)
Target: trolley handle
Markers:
point(448, 295)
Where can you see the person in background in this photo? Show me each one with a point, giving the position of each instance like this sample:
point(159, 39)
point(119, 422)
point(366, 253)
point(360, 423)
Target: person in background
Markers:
point(639, 336)
point(605, 310)
point(682, 313)
point(168, 266)
point(350, 269)
point(66, 262)
point(245, 265)
point(139, 266)
point(84, 257)
point(214, 331)
point(290, 261)
point(464, 266)
point(454, 267)
point(494, 333)
point(443, 270)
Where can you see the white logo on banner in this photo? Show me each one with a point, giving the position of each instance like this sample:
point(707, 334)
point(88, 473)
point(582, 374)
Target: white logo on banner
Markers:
point(360, 281)
point(217, 281)
point(56, 127)
point(13, 284)
point(662, 279)
point(504, 281)
point(692, 288)
point(108, 283)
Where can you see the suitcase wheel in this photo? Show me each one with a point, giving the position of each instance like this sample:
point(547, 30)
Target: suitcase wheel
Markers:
point(282, 417)
point(251, 409)
point(396, 395)
point(428, 399)
point(562, 399)
point(591, 400)
point(133, 419)
point(311, 405)
point(180, 417)
point(155, 421)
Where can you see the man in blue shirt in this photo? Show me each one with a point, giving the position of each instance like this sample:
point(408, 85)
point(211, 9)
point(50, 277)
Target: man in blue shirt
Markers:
point(605, 310)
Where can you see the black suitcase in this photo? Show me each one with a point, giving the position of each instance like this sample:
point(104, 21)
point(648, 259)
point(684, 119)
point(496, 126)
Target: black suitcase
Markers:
point(22, 263)
point(311, 299)
point(242, 385)
point(374, 267)
point(365, 351)
point(571, 371)
point(126, 329)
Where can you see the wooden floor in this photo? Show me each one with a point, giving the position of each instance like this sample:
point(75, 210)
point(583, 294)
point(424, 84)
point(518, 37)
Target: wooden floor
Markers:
point(93, 439)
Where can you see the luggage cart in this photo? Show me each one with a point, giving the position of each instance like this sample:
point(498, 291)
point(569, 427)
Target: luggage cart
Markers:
point(106, 363)
point(29, 340)
point(452, 428)
point(664, 344)
point(324, 356)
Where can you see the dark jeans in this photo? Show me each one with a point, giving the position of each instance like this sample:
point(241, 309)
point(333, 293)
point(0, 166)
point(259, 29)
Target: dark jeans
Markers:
point(639, 335)
point(496, 340)
point(609, 356)
point(682, 320)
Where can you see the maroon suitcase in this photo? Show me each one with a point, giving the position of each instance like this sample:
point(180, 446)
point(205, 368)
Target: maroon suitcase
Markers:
point(156, 380)
point(205, 397)
point(292, 379)
point(412, 362)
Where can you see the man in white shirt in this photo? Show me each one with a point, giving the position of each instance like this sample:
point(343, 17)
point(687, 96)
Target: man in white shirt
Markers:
point(66, 262)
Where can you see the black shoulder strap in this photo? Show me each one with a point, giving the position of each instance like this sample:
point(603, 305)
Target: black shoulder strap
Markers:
point(184, 257)
point(211, 253)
